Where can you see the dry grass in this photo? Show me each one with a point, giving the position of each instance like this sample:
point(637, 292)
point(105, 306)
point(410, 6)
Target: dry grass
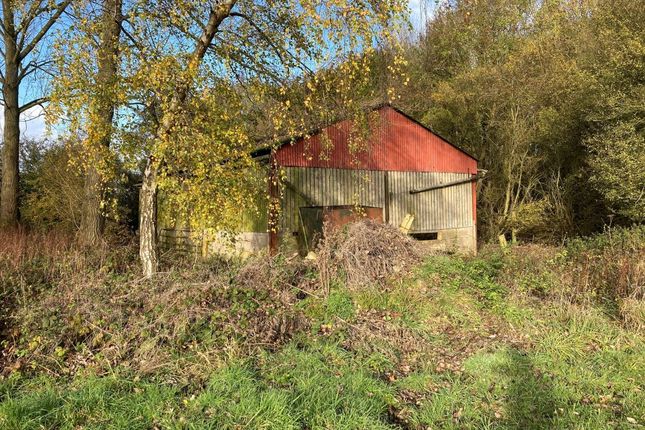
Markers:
point(632, 312)
point(67, 309)
point(104, 318)
point(19, 245)
point(608, 266)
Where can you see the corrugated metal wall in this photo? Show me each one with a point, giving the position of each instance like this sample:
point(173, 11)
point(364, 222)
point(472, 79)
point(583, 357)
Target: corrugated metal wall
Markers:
point(434, 210)
point(328, 187)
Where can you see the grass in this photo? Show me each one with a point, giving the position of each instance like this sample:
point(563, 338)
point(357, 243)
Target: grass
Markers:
point(461, 343)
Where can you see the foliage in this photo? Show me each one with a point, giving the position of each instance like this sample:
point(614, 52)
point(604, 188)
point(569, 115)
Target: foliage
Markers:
point(548, 96)
point(617, 153)
point(52, 189)
point(609, 265)
point(200, 119)
point(108, 318)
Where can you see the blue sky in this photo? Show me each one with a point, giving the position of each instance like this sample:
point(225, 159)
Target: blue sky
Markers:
point(32, 123)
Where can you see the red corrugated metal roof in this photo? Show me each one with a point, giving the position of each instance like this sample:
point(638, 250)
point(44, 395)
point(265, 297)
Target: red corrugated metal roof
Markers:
point(398, 143)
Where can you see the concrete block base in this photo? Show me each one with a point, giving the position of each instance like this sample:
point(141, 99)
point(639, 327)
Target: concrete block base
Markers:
point(455, 240)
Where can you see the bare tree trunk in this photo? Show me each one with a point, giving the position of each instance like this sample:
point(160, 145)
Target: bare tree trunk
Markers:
point(19, 42)
point(93, 220)
point(148, 250)
point(11, 133)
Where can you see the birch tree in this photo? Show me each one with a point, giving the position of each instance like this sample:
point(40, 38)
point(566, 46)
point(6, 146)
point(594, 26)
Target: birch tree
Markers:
point(244, 42)
point(201, 81)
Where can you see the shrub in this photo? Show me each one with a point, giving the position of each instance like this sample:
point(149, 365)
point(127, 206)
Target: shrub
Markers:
point(53, 190)
point(606, 266)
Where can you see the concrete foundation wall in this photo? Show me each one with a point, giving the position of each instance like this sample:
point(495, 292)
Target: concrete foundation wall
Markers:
point(242, 244)
point(458, 240)
point(207, 242)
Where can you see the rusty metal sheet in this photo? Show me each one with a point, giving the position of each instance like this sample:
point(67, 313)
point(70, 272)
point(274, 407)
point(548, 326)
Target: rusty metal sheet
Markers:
point(398, 143)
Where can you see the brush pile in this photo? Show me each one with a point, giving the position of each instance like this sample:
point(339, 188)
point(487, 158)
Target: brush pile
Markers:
point(364, 253)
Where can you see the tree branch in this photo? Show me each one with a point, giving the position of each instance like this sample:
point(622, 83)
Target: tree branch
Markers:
point(29, 17)
point(264, 36)
point(275, 47)
point(36, 102)
point(220, 10)
point(32, 67)
point(60, 8)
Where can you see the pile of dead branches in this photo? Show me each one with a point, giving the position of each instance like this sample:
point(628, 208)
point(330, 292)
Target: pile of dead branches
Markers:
point(364, 253)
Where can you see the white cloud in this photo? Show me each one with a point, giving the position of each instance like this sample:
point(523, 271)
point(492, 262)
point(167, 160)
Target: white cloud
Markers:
point(32, 123)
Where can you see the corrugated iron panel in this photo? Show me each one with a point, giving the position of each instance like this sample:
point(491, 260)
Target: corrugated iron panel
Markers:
point(328, 187)
point(398, 144)
point(433, 210)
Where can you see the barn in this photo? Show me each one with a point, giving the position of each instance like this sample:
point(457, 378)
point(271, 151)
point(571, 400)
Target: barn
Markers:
point(403, 174)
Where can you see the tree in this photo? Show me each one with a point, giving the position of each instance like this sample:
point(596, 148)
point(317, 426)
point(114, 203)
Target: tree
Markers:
point(200, 82)
point(617, 155)
point(24, 26)
point(616, 139)
point(254, 42)
point(515, 83)
point(102, 115)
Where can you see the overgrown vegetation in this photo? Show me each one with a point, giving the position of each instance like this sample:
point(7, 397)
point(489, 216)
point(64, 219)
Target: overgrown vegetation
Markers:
point(372, 334)
point(516, 338)
point(549, 97)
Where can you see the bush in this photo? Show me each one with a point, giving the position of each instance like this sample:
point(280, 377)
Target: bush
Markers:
point(53, 189)
point(607, 266)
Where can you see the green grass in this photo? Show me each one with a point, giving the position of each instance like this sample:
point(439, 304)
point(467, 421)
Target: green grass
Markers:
point(462, 344)
point(91, 402)
point(318, 387)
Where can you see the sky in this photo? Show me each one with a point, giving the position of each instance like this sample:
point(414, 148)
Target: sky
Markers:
point(32, 122)
point(420, 12)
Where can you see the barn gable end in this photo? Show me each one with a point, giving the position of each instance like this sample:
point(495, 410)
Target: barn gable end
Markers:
point(398, 143)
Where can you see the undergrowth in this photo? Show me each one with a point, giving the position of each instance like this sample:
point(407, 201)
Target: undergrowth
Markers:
point(515, 338)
